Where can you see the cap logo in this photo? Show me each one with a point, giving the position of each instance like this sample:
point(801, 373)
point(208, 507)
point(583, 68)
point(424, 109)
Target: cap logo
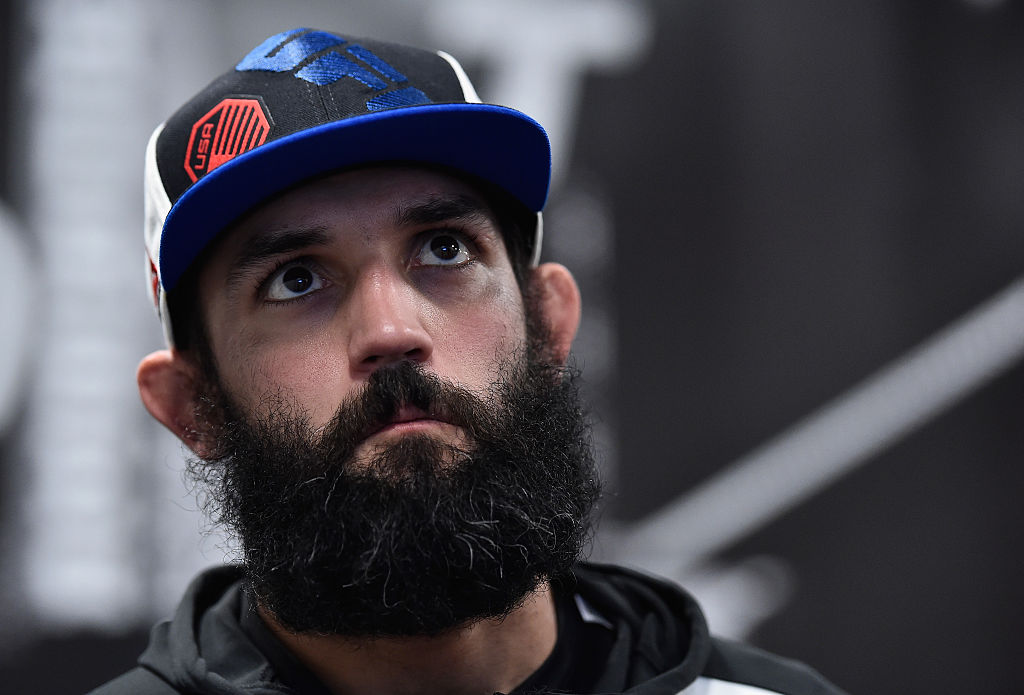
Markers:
point(232, 127)
point(322, 58)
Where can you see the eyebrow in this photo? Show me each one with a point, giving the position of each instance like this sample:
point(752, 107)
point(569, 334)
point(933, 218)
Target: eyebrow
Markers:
point(442, 209)
point(273, 242)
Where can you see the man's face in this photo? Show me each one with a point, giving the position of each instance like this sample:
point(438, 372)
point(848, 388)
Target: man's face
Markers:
point(384, 430)
point(312, 292)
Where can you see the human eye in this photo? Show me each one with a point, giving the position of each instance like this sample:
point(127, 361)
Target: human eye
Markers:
point(292, 280)
point(444, 247)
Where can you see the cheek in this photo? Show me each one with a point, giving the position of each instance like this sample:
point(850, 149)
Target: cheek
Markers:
point(473, 336)
point(309, 373)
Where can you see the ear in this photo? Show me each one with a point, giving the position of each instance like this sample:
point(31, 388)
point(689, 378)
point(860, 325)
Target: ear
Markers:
point(559, 302)
point(167, 384)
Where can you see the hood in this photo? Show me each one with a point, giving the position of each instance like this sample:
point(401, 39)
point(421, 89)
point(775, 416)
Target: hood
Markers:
point(661, 637)
point(661, 642)
point(203, 648)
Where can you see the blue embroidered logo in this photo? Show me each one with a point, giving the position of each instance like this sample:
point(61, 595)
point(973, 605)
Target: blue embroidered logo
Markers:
point(286, 51)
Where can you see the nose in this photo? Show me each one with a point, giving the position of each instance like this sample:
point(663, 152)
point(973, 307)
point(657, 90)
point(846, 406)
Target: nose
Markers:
point(385, 323)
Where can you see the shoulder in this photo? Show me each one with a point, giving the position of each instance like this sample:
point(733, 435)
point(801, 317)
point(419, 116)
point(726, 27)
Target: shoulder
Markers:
point(138, 681)
point(740, 669)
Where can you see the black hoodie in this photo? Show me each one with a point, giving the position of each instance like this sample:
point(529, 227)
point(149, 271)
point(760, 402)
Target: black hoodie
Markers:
point(651, 635)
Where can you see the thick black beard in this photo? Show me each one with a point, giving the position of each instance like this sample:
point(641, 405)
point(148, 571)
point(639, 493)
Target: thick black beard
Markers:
point(423, 537)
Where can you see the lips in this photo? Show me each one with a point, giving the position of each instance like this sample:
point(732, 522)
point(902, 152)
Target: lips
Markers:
point(407, 417)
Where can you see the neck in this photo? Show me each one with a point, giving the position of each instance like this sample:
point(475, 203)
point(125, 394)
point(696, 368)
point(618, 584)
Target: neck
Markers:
point(481, 658)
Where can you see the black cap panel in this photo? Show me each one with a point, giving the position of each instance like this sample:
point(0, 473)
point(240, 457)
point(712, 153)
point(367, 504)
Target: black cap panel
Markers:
point(300, 80)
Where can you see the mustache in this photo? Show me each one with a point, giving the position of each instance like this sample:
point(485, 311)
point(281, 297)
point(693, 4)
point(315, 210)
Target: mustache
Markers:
point(390, 389)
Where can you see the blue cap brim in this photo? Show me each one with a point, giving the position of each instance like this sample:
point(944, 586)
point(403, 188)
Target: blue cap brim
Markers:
point(495, 143)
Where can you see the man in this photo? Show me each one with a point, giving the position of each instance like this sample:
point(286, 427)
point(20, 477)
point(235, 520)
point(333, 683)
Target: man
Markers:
point(368, 363)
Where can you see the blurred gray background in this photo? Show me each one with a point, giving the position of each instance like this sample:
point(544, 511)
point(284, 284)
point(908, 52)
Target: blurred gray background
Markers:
point(799, 231)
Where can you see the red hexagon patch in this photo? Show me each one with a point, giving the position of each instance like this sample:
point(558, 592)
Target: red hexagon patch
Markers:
point(232, 127)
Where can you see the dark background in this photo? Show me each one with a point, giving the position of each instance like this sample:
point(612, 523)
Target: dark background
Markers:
point(801, 191)
point(810, 190)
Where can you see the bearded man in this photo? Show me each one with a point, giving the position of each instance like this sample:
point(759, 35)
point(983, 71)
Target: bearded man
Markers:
point(369, 365)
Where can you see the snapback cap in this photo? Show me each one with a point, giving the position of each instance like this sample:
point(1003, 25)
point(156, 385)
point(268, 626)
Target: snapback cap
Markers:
point(305, 103)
